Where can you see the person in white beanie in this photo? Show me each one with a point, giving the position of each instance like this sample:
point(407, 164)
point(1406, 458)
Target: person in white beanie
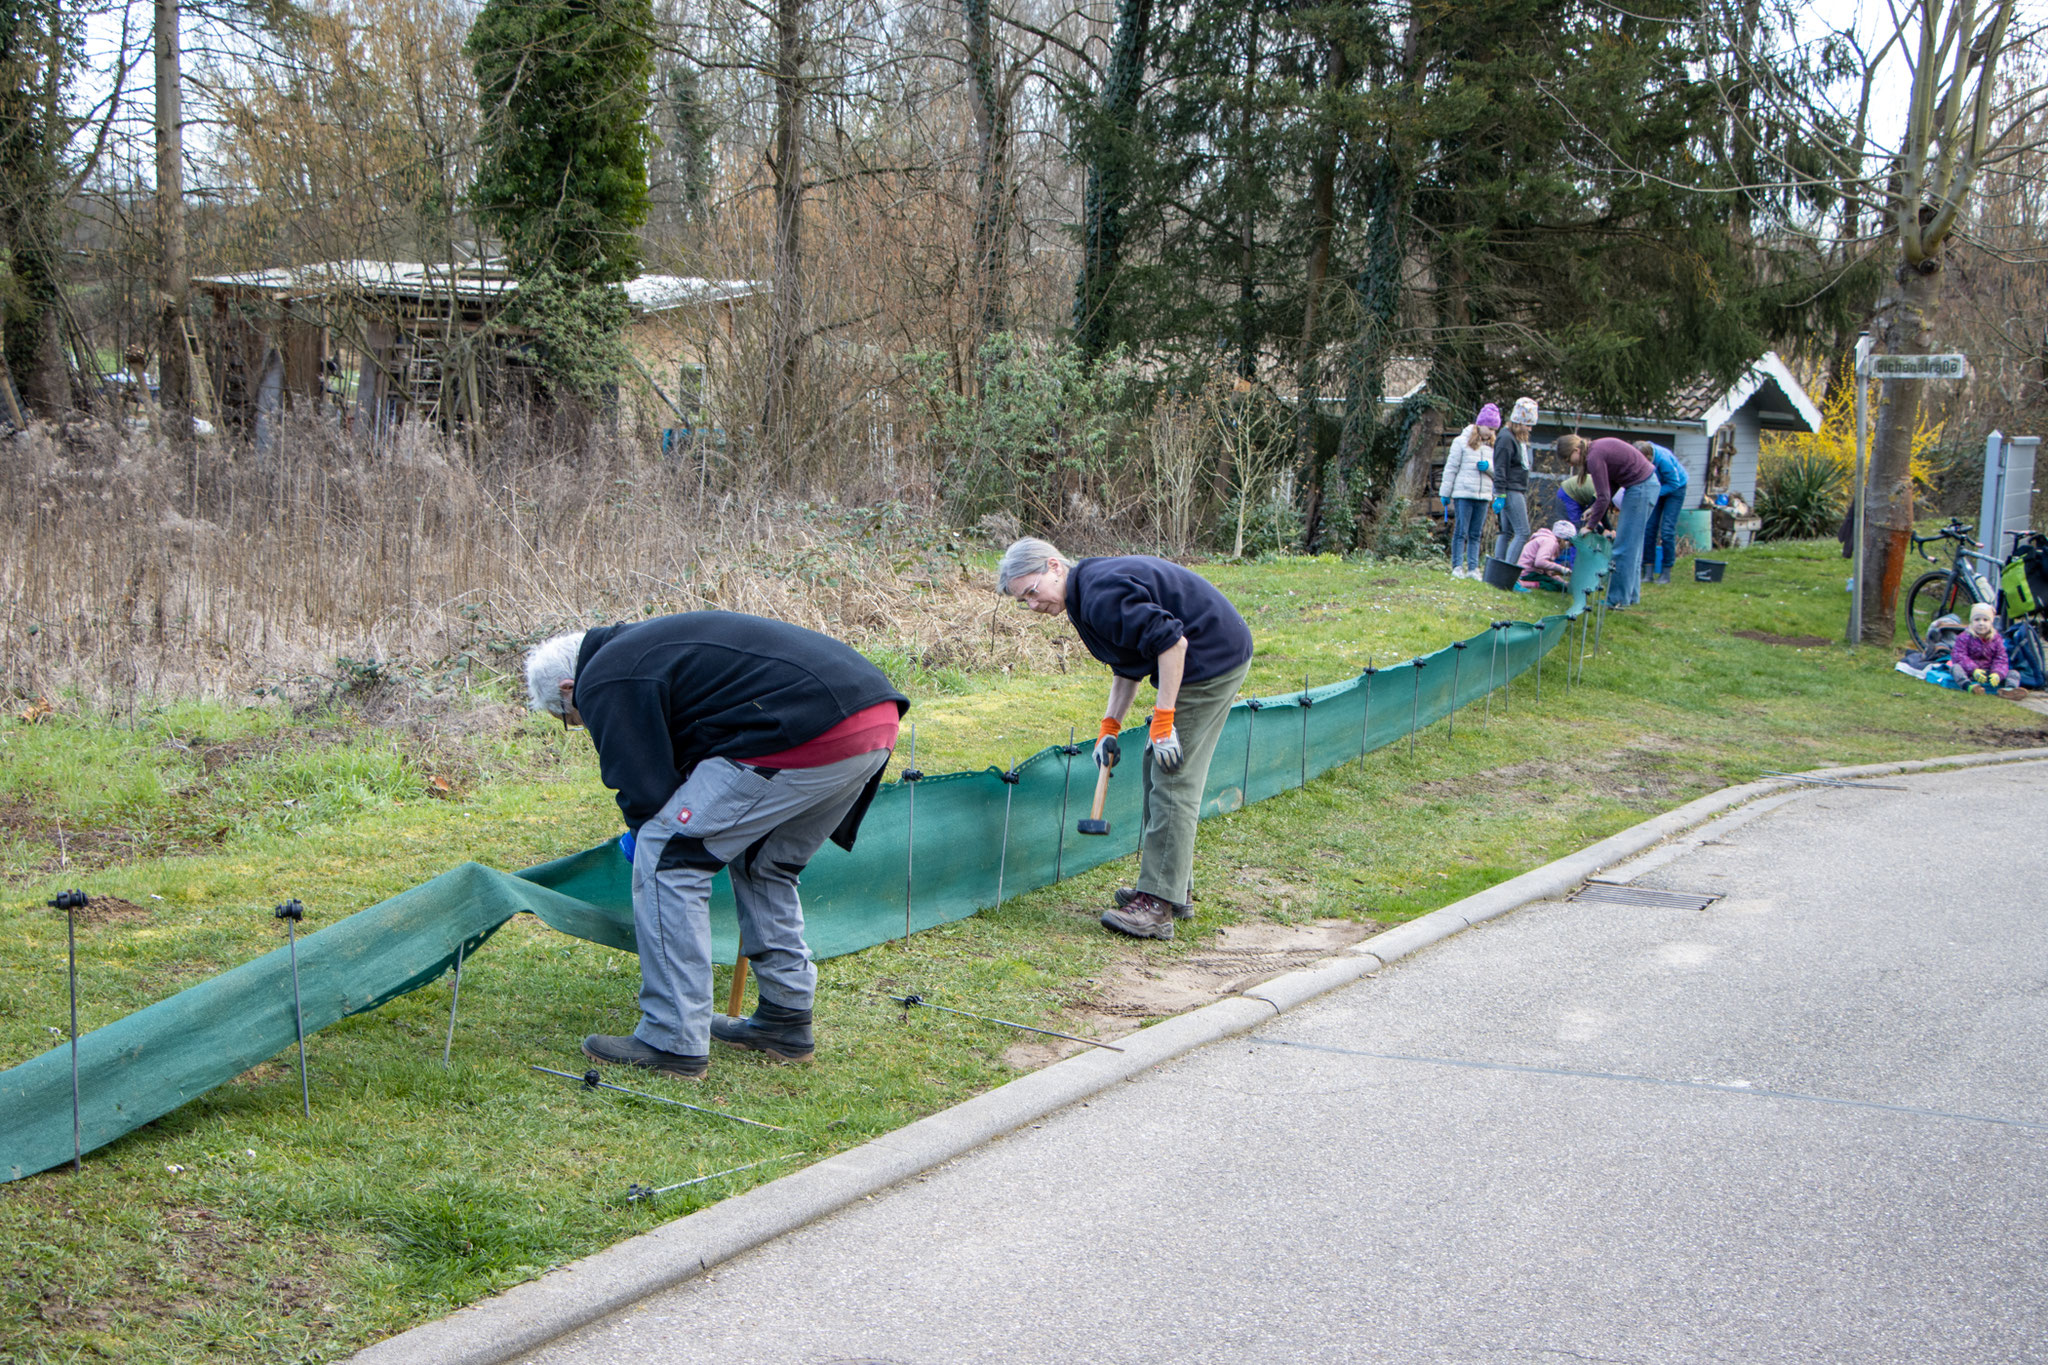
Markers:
point(1511, 461)
point(1540, 557)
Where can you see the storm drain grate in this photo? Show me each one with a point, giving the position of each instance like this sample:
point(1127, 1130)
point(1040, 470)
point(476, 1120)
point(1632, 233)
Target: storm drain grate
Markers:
point(1643, 897)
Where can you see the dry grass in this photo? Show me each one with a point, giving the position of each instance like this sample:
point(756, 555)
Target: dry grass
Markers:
point(333, 564)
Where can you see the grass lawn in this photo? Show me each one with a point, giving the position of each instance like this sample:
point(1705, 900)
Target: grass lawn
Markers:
point(233, 1229)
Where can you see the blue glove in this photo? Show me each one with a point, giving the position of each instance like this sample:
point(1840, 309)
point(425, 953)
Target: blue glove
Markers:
point(626, 845)
point(1486, 466)
point(1500, 504)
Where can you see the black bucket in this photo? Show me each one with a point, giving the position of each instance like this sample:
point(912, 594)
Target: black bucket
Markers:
point(1708, 570)
point(1501, 574)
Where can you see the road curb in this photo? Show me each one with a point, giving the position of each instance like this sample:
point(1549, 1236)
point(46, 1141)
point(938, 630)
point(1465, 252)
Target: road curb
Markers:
point(529, 1316)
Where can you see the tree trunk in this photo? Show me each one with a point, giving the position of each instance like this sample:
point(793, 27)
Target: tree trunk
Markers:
point(31, 135)
point(1248, 177)
point(786, 338)
point(1325, 485)
point(174, 278)
point(991, 180)
point(1109, 176)
point(1902, 329)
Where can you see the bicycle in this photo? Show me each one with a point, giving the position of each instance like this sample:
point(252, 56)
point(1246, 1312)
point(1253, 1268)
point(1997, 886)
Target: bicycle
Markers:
point(1962, 584)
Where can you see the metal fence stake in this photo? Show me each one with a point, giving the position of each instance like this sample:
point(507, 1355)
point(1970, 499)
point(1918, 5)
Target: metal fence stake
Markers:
point(1252, 708)
point(912, 776)
point(1306, 702)
point(1059, 856)
point(71, 902)
point(1365, 726)
point(593, 1079)
point(1003, 858)
point(1451, 716)
point(1598, 622)
point(291, 912)
point(1415, 704)
point(454, 998)
point(1540, 652)
point(1492, 661)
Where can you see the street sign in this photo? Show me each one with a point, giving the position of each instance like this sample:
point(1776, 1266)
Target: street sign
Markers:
point(1917, 366)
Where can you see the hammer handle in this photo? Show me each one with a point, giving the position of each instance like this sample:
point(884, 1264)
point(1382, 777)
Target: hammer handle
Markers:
point(1101, 792)
point(739, 987)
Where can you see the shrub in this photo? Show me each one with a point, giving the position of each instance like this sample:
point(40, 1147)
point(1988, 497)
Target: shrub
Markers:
point(1799, 496)
point(1396, 533)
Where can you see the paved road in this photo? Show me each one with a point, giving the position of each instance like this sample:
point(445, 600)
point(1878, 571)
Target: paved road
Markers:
point(1806, 1124)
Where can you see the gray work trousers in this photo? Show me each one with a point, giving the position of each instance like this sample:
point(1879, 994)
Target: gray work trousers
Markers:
point(1173, 802)
point(763, 828)
point(1514, 527)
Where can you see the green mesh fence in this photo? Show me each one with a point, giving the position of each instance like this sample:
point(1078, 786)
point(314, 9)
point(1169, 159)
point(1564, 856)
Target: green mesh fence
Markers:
point(925, 857)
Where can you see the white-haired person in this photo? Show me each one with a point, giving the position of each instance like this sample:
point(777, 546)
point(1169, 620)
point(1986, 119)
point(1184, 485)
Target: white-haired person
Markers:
point(1512, 460)
point(1467, 489)
point(735, 743)
point(1148, 619)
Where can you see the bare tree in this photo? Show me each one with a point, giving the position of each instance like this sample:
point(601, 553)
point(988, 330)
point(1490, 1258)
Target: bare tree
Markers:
point(1951, 123)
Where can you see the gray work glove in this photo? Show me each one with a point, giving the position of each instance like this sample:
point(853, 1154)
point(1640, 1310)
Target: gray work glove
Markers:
point(1107, 752)
point(1167, 752)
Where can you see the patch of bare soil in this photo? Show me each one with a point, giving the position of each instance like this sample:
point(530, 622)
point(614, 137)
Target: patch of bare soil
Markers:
point(109, 910)
point(1796, 641)
point(1143, 985)
point(1996, 737)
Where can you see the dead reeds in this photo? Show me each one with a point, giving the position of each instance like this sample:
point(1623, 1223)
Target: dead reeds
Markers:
point(126, 577)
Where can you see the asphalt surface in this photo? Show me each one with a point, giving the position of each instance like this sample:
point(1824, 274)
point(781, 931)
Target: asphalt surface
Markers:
point(1807, 1123)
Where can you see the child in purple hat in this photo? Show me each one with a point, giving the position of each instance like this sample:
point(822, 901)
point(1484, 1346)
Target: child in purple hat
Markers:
point(1468, 484)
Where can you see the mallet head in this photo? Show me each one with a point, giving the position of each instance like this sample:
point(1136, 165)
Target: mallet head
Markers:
point(1086, 826)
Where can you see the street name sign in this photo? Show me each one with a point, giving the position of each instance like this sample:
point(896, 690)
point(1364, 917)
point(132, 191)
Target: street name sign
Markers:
point(1917, 366)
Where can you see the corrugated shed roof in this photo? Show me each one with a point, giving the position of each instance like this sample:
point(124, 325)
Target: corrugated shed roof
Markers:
point(476, 283)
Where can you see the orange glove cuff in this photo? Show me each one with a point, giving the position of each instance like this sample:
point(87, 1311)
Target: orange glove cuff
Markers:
point(1109, 728)
point(1162, 723)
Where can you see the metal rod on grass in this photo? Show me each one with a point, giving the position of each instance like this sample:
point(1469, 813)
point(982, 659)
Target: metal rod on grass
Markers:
point(71, 902)
point(1059, 855)
point(453, 999)
point(291, 912)
point(909, 1000)
point(593, 1080)
point(1003, 858)
point(638, 1192)
point(1540, 652)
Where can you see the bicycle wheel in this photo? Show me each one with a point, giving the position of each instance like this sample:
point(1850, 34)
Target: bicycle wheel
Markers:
point(1933, 596)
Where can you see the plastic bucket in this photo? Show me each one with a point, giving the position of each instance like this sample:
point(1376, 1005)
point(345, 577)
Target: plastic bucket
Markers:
point(1708, 570)
point(1501, 574)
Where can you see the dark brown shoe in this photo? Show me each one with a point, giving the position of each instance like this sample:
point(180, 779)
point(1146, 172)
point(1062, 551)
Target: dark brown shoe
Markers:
point(1146, 916)
point(1126, 894)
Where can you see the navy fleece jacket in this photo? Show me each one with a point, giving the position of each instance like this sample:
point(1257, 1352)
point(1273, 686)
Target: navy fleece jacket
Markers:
point(1130, 609)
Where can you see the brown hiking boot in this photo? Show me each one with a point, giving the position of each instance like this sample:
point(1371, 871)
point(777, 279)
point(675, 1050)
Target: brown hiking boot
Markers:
point(1146, 916)
point(1126, 894)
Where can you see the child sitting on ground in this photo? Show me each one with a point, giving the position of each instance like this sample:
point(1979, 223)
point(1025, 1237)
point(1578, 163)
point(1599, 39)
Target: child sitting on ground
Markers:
point(1539, 559)
point(1978, 656)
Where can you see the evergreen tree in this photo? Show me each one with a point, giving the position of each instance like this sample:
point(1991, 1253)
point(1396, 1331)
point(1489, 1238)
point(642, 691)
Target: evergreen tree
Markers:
point(563, 176)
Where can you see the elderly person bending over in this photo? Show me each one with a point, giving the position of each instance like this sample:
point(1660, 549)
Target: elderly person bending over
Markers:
point(1148, 619)
point(738, 743)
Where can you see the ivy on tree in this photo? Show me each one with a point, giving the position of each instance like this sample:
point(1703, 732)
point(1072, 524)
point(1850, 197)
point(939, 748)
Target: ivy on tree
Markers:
point(563, 175)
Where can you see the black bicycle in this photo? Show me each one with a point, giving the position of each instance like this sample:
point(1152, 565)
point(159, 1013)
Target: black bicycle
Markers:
point(1973, 576)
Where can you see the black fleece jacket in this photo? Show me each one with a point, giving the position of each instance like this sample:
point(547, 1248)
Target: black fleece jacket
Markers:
point(1130, 609)
point(662, 695)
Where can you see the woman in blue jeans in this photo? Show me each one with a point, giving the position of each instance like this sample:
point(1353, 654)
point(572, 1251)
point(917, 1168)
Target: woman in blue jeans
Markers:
point(1616, 469)
point(1660, 541)
point(1468, 484)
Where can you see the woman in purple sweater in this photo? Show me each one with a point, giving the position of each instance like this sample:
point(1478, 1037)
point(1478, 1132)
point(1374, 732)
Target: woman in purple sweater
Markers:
point(1615, 466)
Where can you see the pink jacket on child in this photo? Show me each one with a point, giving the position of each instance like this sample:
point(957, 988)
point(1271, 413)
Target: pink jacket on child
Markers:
point(1974, 653)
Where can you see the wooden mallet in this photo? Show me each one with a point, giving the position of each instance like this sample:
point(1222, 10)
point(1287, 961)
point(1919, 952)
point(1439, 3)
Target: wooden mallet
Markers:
point(1095, 824)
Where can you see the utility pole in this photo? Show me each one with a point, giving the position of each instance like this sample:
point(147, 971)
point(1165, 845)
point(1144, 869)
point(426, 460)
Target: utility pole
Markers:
point(174, 275)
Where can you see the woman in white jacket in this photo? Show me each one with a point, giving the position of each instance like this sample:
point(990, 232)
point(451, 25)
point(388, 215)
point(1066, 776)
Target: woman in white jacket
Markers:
point(1467, 488)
